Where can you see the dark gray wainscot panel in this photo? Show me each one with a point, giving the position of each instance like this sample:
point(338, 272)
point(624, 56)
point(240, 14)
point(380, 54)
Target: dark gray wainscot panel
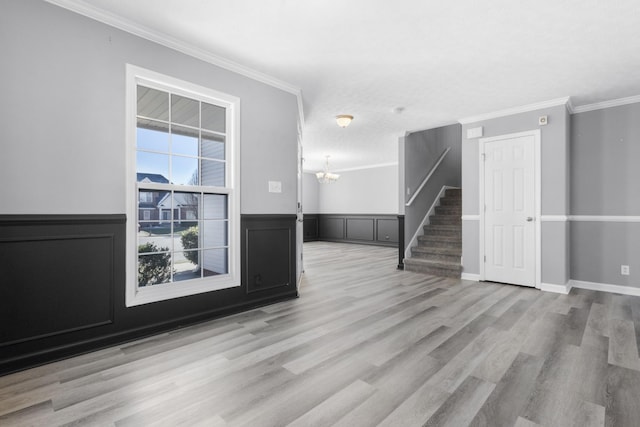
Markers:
point(367, 229)
point(311, 227)
point(62, 285)
point(269, 255)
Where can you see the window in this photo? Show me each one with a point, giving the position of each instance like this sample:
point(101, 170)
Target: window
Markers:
point(182, 150)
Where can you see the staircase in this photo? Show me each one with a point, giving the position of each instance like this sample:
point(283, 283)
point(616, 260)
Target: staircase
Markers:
point(439, 249)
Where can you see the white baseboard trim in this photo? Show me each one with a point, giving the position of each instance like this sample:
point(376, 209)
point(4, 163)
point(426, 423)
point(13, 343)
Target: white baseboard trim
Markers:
point(558, 289)
point(605, 287)
point(470, 276)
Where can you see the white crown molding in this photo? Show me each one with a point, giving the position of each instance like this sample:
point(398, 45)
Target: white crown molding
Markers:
point(517, 110)
point(605, 287)
point(436, 126)
point(100, 15)
point(605, 218)
point(607, 104)
point(356, 168)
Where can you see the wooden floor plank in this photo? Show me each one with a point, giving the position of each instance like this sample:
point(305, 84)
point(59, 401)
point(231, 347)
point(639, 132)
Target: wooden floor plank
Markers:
point(510, 395)
point(365, 344)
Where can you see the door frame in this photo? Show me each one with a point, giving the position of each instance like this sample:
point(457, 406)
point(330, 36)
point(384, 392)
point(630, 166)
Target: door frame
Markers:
point(537, 179)
point(299, 211)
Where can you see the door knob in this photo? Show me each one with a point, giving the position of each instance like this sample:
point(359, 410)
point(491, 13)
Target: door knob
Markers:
point(529, 218)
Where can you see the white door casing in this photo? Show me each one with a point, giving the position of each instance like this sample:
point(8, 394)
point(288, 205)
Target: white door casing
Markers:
point(299, 215)
point(509, 208)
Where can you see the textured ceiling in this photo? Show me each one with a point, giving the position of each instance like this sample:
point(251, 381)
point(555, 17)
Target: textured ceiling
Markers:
point(439, 60)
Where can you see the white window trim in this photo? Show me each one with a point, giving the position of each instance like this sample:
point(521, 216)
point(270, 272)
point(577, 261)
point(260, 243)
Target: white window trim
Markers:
point(138, 296)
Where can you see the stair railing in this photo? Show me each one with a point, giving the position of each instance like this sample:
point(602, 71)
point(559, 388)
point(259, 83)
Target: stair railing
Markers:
point(426, 179)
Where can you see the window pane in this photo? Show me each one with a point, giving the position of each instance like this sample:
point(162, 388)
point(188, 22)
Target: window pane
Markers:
point(155, 235)
point(184, 141)
point(212, 146)
point(215, 261)
point(185, 111)
point(213, 173)
point(153, 103)
point(152, 167)
point(163, 206)
point(214, 234)
point(186, 265)
point(153, 268)
point(153, 136)
point(213, 117)
point(186, 206)
point(146, 199)
point(215, 206)
point(187, 236)
point(184, 170)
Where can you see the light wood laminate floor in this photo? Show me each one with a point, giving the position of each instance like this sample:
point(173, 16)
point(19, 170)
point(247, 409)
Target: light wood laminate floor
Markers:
point(364, 345)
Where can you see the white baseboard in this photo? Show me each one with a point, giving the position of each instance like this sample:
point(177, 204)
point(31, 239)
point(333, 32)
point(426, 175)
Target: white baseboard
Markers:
point(558, 289)
point(580, 284)
point(605, 287)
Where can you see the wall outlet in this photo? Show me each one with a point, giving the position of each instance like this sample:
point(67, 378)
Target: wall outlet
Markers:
point(624, 270)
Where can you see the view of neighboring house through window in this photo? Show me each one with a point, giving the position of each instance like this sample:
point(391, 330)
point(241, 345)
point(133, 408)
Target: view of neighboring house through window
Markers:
point(184, 211)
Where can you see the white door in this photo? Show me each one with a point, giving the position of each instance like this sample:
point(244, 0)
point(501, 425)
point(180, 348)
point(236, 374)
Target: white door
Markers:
point(509, 215)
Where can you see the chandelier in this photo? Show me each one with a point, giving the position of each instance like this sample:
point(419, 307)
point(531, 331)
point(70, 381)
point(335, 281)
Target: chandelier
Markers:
point(327, 177)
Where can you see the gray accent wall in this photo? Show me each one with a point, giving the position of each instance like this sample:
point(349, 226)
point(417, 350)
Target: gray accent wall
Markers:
point(605, 178)
point(605, 156)
point(554, 182)
point(63, 107)
point(421, 152)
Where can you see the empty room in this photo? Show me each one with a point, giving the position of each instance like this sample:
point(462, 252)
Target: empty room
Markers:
point(319, 213)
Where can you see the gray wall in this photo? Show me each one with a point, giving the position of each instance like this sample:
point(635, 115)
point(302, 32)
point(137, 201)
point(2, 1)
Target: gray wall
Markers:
point(63, 99)
point(310, 193)
point(555, 187)
point(605, 178)
point(362, 191)
point(421, 152)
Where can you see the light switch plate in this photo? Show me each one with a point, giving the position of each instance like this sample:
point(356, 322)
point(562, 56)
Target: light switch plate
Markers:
point(275, 187)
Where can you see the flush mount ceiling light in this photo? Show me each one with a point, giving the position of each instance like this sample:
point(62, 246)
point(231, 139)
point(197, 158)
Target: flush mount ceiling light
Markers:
point(343, 120)
point(327, 177)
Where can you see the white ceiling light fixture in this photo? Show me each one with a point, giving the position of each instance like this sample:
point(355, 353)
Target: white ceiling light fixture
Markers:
point(327, 177)
point(344, 120)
